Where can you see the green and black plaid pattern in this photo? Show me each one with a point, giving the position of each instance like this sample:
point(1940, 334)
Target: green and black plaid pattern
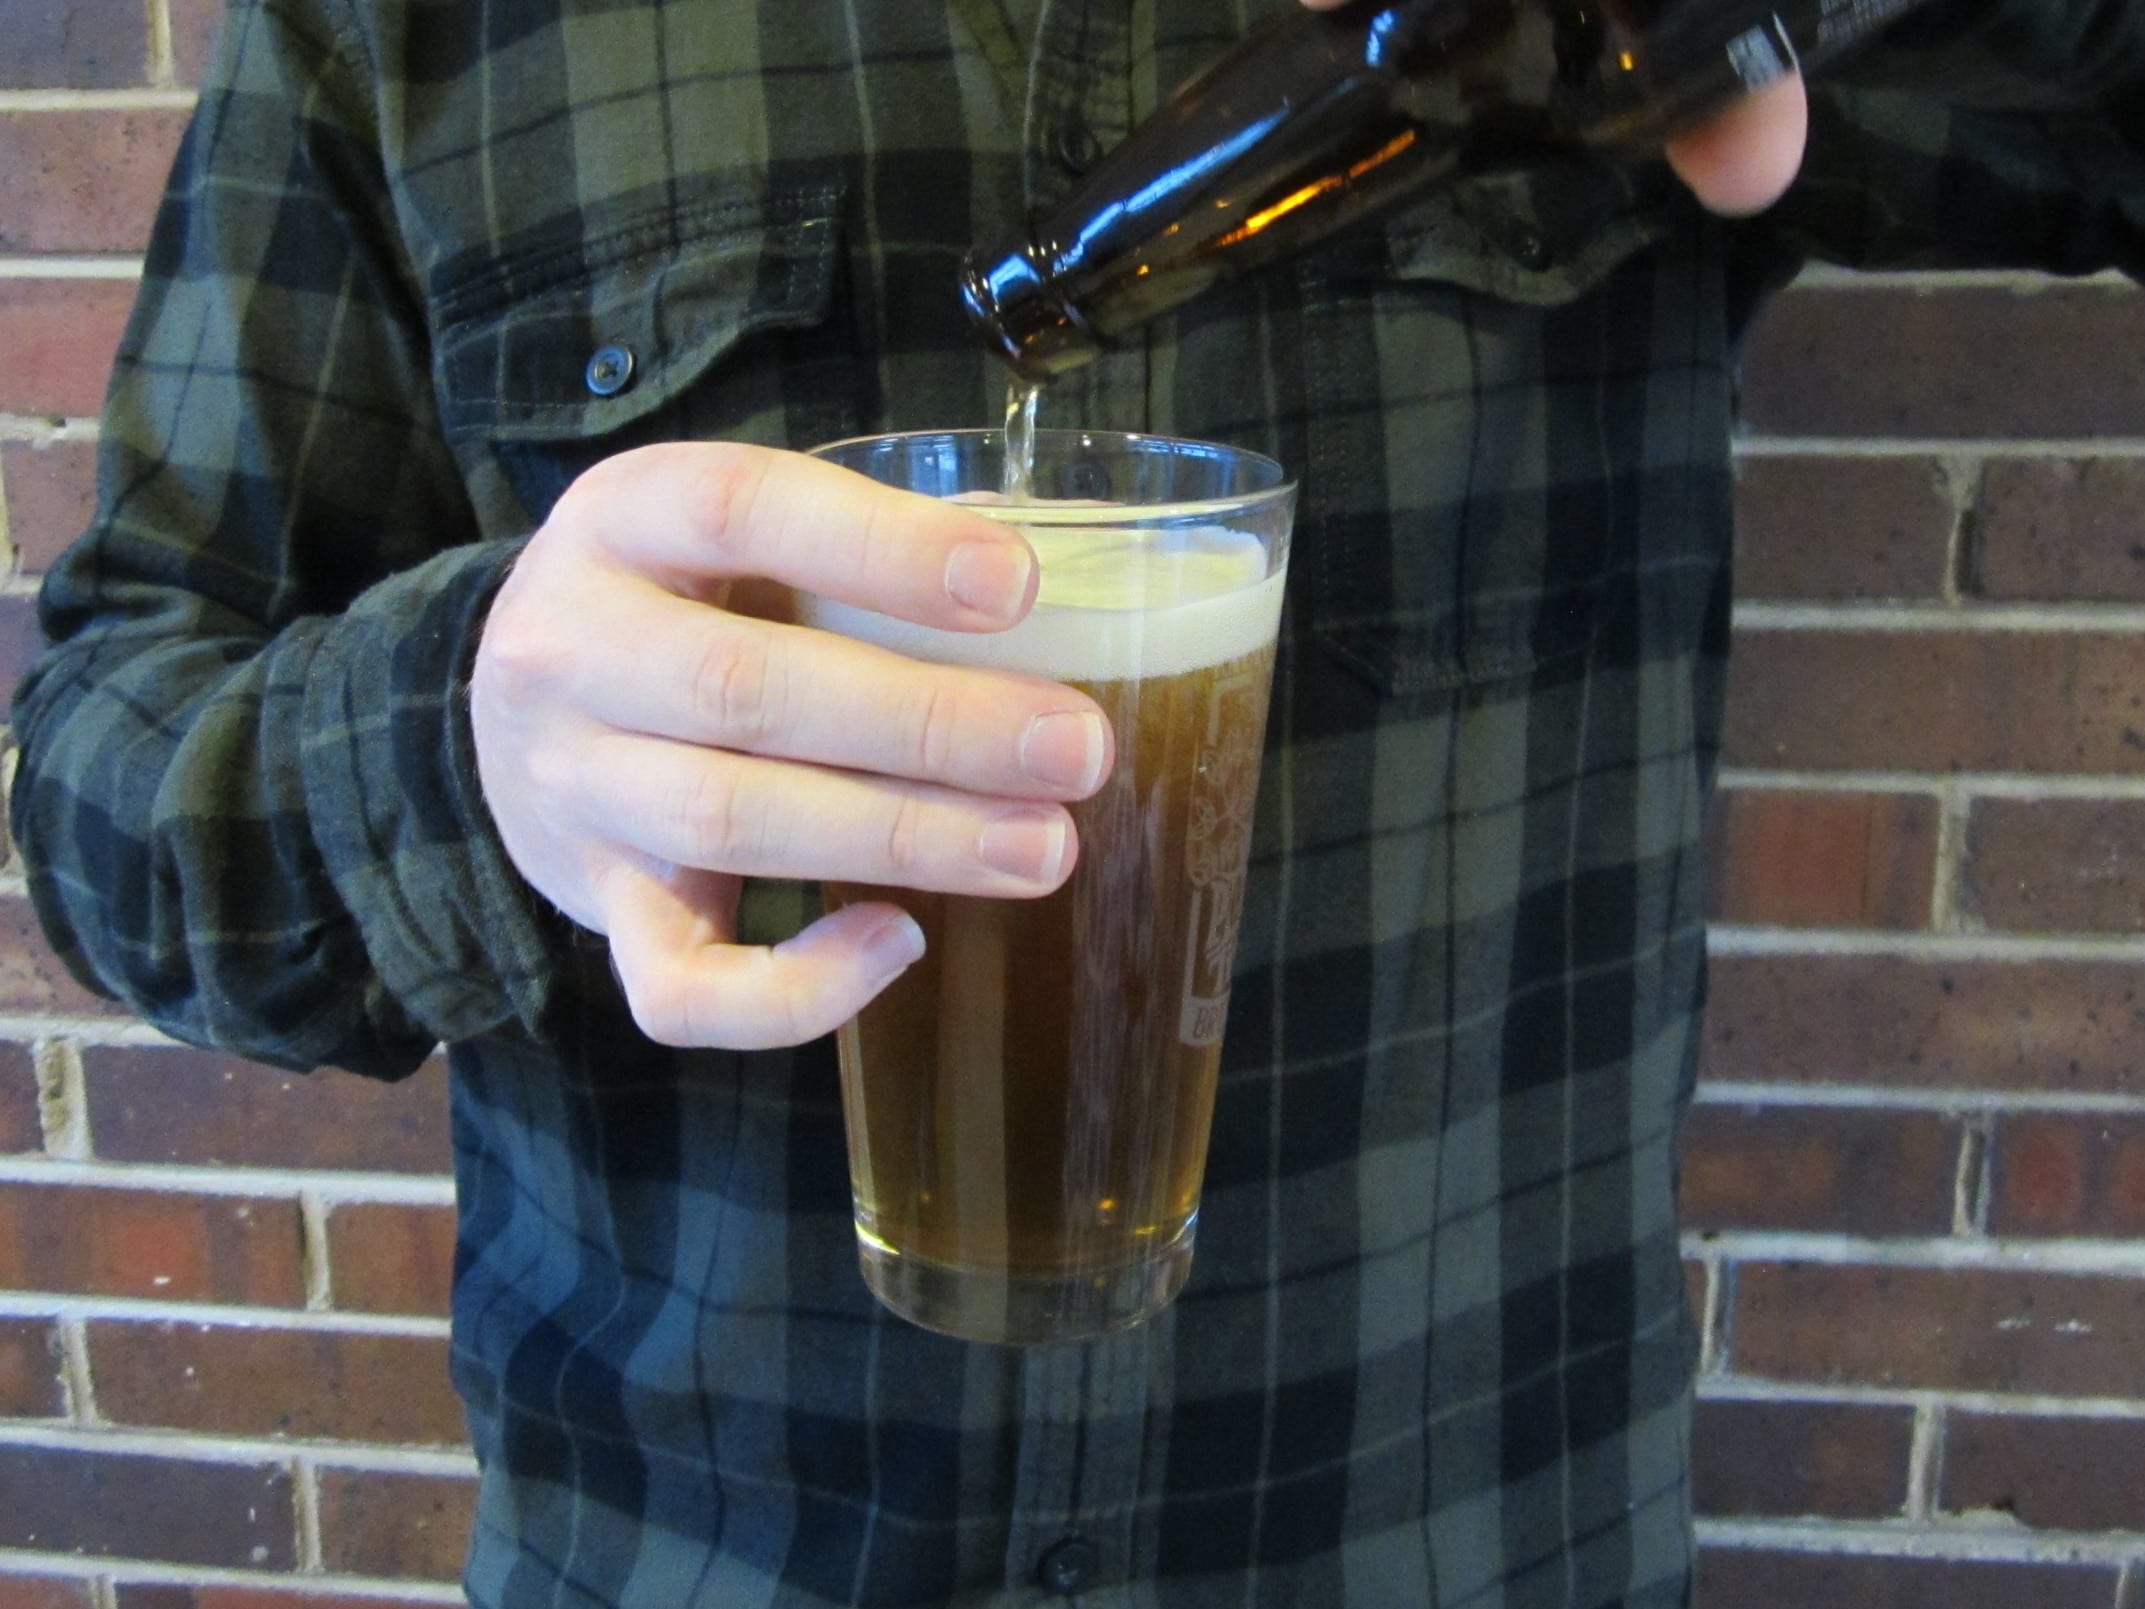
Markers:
point(424, 260)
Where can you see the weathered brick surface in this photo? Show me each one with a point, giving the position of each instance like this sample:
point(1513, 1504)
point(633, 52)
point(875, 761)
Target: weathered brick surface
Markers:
point(2067, 1174)
point(45, 1592)
point(20, 640)
point(82, 44)
point(1788, 1460)
point(157, 1104)
point(2056, 865)
point(2064, 361)
point(2060, 1474)
point(21, 1130)
point(131, 1506)
point(83, 181)
point(1825, 1170)
point(154, 1244)
point(1962, 1329)
point(232, 1379)
point(57, 337)
point(1746, 1579)
point(1987, 1025)
point(30, 1370)
point(51, 490)
point(1938, 701)
point(168, 1595)
point(194, 25)
point(32, 978)
point(384, 1257)
point(1819, 528)
point(1806, 858)
point(378, 1524)
point(2061, 530)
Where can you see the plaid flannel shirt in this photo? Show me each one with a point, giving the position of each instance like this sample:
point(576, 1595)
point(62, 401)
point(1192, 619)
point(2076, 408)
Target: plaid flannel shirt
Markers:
point(1435, 1349)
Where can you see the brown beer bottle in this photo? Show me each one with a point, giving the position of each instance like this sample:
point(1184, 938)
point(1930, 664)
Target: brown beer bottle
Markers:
point(1319, 119)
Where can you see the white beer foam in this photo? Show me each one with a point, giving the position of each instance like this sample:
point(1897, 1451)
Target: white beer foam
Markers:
point(1112, 606)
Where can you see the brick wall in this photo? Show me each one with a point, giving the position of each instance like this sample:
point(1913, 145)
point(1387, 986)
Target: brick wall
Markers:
point(1915, 1181)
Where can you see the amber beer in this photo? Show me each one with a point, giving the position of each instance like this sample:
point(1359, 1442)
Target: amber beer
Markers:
point(1028, 1106)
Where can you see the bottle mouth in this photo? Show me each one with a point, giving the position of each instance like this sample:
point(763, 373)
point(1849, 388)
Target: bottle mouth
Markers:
point(1020, 316)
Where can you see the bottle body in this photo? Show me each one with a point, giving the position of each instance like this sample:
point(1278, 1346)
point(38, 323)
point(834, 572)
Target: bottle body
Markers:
point(1321, 119)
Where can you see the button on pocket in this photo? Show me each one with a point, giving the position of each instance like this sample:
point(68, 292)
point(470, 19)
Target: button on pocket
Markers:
point(610, 371)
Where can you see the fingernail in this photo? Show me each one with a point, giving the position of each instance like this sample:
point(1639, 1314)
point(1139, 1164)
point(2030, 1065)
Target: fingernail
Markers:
point(989, 577)
point(1028, 844)
point(1065, 750)
point(895, 945)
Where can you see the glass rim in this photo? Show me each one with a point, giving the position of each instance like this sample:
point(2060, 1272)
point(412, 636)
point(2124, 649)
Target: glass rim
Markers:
point(1236, 503)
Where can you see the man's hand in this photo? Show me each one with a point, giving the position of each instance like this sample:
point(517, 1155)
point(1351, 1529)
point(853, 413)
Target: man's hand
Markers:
point(1743, 160)
point(644, 745)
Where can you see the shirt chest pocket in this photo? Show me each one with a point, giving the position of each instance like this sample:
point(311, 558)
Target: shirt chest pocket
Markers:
point(720, 322)
point(1474, 424)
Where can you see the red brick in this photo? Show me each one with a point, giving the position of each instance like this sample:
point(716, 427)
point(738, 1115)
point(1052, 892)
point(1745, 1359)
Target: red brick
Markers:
point(88, 1241)
point(2056, 361)
point(30, 1371)
point(2048, 1026)
point(32, 978)
point(194, 25)
point(173, 1595)
point(1961, 1329)
point(157, 1104)
point(51, 493)
point(2056, 865)
point(45, 1592)
point(385, 1257)
point(388, 1525)
point(1802, 858)
point(2050, 1473)
point(1788, 1460)
point(2066, 1174)
point(1740, 1578)
point(1938, 701)
point(21, 1129)
point(1834, 528)
point(2061, 530)
point(1823, 1169)
point(131, 1506)
point(20, 640)
point(57, 340)
point(82, 181)
point(81, 44)
point(243, 1380)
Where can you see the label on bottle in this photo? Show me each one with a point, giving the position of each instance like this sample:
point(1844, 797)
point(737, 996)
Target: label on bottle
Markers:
point(1760, 55)
point(1842, 22)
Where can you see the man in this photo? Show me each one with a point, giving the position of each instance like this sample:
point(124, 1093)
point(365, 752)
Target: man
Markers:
point(332, 759)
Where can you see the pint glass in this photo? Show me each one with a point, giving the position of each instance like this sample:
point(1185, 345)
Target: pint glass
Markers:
point(1027, 1107)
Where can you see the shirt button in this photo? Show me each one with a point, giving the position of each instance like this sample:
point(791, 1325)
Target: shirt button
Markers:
point(610, 371)
point(1529, 248)
point(1069, 1567)
point(1075, 148)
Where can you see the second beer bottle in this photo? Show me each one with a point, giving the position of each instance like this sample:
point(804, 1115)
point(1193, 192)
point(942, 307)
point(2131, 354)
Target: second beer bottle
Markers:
point(1322, 118)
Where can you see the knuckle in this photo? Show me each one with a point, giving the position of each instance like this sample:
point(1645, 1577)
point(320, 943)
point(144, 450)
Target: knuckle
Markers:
point(906, 844)
point(735, 687)
point(724, 495)
point(934, 726)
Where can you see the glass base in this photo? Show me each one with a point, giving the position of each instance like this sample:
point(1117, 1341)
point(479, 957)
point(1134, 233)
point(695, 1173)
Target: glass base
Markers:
point(1016, 1309)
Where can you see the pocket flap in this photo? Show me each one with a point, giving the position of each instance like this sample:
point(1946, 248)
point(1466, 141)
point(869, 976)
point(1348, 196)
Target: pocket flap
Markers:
point(585, 337)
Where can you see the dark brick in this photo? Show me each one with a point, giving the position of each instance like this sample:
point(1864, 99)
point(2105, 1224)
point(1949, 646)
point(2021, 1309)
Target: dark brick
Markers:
point(1822, 1169)
point(45, 1592)
point(386, 1257)
point(156, 1244)
point(2046, 1026)
point(172, 1595)
point(2056, 865)
point(57, 339)
point(1824, 528)
point(1938, 701)
point(194, 25)
point(83, 181)
point(395, 1526)
point(1958, 1329)
point(80, 44)
point(32, 978)
point(2051, 1473)
point(51, 493)
point(2061, 530)
point(30, 1370)
point(20, 640)
point(1788, 1460)
point(1811, 858)
point(131, 1506)
point(2068, 1174)
point(21, 1129)
point(1739, 1578)
point(158, 1104)
point(2056, 361)
point(240, 1380)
